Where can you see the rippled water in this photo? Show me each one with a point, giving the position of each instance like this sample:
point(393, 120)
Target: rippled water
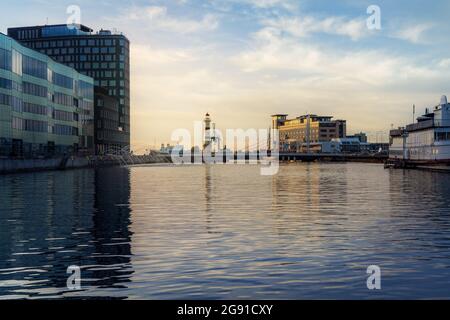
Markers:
point(225, 232)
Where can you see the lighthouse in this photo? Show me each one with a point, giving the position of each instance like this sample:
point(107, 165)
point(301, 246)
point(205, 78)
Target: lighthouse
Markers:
point(208, 140)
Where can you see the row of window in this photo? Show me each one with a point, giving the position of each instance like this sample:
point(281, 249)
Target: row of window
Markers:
point(63, 130)
point(61, 80)
point(107, 124)
point(34, 89)
point(95, 65)
point(86, 50)
point(43, 127)
point(11, 101)
point(10, 85)
point(100, 74)
point(113, 92)
point(442, 136)
point(63, 99)
point(97, 58)
point(112, 136)
point(22, 64)
point(35, 109)
point(111, 115)
point(28, 34)
point(48, 111)
point(34, 67)
point(19, 106)
point(29, 125)
point(80, 42)
point(64, 115)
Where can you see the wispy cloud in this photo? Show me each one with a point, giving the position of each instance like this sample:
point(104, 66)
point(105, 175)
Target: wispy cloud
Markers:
point(271, 51)
point(157, 17)
point(414, 34)
point(444, 63)
point(288, 4)
point(304, 26)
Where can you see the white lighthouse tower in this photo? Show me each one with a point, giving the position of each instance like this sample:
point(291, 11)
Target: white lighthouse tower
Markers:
point(208, 140)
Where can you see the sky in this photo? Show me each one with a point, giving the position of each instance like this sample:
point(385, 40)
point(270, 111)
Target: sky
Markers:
point(244, 60)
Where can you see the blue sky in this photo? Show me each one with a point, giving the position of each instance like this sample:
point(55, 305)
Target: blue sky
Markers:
point(243, 60)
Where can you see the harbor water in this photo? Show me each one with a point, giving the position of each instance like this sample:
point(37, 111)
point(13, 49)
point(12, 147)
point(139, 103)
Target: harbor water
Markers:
point(226, 232)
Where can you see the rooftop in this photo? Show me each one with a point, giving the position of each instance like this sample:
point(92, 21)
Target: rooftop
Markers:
point(78, 26)
point(314, 116)
point(61, 30)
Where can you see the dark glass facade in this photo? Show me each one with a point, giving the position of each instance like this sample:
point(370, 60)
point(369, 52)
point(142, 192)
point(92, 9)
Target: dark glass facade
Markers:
point(107, 115)
point(104, 56)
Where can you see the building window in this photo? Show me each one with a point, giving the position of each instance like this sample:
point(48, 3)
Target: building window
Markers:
point(5, 59)
point(5, 84)
point(34, 67)
point(62, 81)
point(62, 115)
point(34, 89)
point(35, 109)
point(63, 130)
point(85, 90)
point(63, 99)
point(34, 125)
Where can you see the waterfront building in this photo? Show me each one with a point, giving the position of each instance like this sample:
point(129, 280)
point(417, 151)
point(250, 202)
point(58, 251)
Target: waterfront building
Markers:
point(308, 131)
point(427, 140)
point(104, 56)
point(362, 137)
point(107, 119)
point(46, 108)
point(348, 145)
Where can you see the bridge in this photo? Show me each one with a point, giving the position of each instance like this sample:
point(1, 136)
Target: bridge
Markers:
point(311, 157)
point(294, 157)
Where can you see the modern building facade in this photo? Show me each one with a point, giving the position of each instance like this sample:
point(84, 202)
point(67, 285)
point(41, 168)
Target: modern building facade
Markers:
point(107, 121)
point(427, 140)
point(104, 56)
point(307, 130)
point(46, 108)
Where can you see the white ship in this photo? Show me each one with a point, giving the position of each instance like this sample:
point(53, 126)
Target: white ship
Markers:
point(425, 142)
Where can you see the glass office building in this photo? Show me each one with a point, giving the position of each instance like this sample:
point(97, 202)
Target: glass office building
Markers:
point(46, 108)
point(103, 56)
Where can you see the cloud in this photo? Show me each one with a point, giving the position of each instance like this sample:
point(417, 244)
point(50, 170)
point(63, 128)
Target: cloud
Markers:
point(271, 3)
point(157, 17)
point(254, 7)
point(444, 63)
point(306, 25)
point(413, 34)
point(273, 52)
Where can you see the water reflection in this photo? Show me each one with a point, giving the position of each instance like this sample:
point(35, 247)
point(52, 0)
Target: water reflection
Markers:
point(226, 232)
point(53, 220)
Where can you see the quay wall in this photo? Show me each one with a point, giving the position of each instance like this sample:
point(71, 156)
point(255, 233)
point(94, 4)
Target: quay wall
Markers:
point(32, 165)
